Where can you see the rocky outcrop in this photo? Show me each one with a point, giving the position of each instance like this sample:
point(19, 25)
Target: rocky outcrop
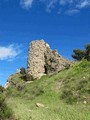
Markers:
point(42, 60)
point(8, 83)
point(40, 105)
point(55, 62)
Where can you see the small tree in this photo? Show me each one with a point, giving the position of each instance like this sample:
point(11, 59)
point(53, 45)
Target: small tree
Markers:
point(1, 89)
point(87, 56)
point(23, 74)
point(78, 54)
point(5, 112)
point(22, 70)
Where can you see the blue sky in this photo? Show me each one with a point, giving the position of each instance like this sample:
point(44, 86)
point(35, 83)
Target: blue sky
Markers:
point(64, 24)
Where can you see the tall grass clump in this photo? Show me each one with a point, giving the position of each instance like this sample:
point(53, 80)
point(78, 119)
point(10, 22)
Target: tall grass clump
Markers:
point(5, 112)
point(76, 84)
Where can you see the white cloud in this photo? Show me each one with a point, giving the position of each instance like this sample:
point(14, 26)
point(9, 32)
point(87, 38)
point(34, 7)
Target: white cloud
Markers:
point(69, 6)
point(83, 4)
point(26, 4)
point(72, 6)
point(9, 52)
point(71, 12)
point(64, 2)
point(51, 5)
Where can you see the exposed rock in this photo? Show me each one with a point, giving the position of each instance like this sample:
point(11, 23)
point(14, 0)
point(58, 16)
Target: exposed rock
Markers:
point(85, 102)
point(8, 82)
point(7, 85)
point(54, 62)
point(28, 82)
point(39, 105)
point(17, 71)
point(42, 60)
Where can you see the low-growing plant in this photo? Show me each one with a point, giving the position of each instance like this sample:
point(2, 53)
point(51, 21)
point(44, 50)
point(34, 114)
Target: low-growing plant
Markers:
point(22, 70)
point(5, 112)
point(1, 89)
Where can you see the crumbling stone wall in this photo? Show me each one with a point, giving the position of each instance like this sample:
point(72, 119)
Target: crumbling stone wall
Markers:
point(42, 60)
point(36, 60)
point(54, 62)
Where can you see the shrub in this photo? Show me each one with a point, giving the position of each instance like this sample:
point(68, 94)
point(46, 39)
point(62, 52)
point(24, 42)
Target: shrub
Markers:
point(22, 70)
point(1, 89)
point(80, 54)
point(5, 112)
point(23, 74)
point(87, 52)
point(24, 77)
point(68, 96)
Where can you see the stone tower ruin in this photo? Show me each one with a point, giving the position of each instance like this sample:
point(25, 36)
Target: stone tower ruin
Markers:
point(42, 60)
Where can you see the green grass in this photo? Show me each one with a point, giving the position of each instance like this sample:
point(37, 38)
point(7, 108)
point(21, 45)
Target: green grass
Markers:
point(76, 84)
point(54, 110)
point(5, 112)
point(64, 95)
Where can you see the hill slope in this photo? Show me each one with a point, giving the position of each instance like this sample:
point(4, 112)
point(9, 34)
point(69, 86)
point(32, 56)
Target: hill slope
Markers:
point(64, 96)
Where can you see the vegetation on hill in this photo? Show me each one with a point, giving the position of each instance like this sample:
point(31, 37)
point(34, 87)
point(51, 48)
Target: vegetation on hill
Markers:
point(5, 112)
point(76, 84)
point(65, 95)
point(82, 54)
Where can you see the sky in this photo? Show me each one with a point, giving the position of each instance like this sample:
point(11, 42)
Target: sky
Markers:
point(63, 24)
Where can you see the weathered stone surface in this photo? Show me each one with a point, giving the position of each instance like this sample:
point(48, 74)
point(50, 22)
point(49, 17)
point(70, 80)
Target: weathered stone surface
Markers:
point(54, 62)
point(6, 85)
point(42, 60)
point(40, 105)
point(36, 60)
point(8, 82)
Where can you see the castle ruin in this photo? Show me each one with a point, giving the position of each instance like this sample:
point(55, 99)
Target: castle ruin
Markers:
point(42, 60)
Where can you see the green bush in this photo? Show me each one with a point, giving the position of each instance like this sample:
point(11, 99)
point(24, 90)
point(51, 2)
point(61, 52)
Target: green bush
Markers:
point(24, 77)
point(5, 112)
point(78, 54)
point(69, 96)
point(22, 70)
point(82, 54)
point(87, 52)
point(23, 74)
point(1, 89)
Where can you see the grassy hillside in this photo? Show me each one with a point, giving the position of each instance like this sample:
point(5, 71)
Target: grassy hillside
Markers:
point(5, 112)
point(65, 96)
